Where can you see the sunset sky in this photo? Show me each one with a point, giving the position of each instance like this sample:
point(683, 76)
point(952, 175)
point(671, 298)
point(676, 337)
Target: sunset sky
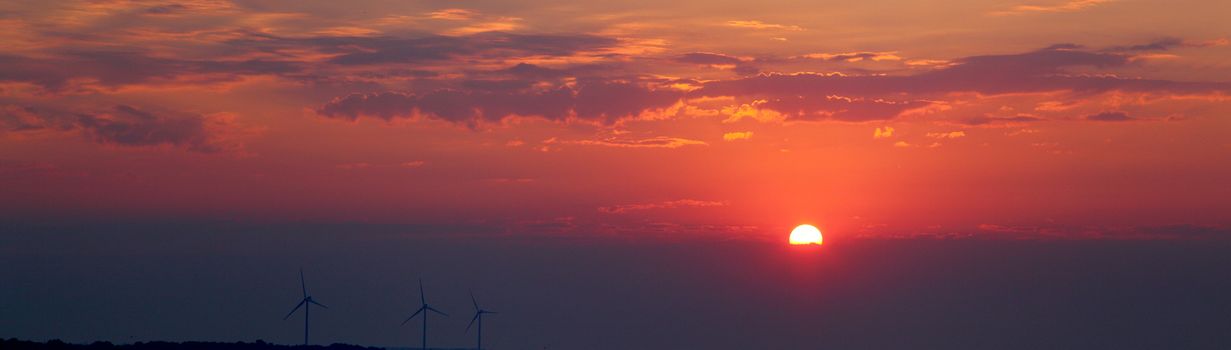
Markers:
point(1080, 118)
point(637, 122)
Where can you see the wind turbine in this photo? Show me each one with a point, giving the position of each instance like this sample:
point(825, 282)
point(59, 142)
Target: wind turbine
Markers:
point(424, 309)
point(478, 316)
point(306, 303)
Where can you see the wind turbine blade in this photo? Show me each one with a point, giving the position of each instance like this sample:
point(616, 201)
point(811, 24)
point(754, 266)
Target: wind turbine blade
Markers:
point(318, 304)
point(422, 298)
point(303, 284)
point(490, 312)
point(413, 315)
point(472, 301)
point(297, 306)
point(476, 316)
point(437, 311)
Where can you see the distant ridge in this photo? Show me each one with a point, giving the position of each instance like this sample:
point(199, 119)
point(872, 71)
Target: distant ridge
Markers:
point(16, 344)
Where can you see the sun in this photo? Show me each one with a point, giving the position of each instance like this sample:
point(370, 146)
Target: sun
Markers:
point(806, 234)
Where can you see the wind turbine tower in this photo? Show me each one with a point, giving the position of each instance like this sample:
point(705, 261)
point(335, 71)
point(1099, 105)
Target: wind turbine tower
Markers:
point(306, 303)
point(478, 316)
point(423, 310)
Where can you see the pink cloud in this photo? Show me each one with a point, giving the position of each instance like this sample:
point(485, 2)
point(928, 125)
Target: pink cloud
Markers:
point(673, 204)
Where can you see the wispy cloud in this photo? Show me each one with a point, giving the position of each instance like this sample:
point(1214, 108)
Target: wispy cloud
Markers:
point(752, 24)
point(502, 24)
point(452, 14)
point(367, 165)
point(653, 142)
point(739, 135)
point(509, 180)
point(855, 56)
point(721, 61)
point(947, 135)
point(680, 203)
point(1068, 6)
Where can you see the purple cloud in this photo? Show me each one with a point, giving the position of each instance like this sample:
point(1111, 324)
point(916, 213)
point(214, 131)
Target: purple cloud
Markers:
point(740, 66)
point(1110, 117)
point(596, 100)
point(1036, 71)
point(707, 58)
point(366, 51)
point(991, 120)
point(839, 108)
point(128, 126)
point(128, 67)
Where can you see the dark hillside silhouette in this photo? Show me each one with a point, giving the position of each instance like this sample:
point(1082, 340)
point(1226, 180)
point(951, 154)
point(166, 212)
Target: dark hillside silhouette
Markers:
point(15, 344)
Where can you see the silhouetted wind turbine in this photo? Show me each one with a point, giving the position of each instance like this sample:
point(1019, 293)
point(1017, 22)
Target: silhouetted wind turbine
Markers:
point(423, 309)
point(306, 303)
point(478, 316)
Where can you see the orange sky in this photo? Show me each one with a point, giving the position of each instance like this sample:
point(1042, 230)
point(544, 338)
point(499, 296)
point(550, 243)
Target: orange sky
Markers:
point(731, 120)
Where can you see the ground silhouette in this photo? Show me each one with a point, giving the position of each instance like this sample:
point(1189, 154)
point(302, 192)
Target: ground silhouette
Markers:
point(16, 344)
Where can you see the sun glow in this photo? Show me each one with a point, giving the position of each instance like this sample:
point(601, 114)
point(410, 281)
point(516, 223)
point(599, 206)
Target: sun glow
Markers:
point(806, 234)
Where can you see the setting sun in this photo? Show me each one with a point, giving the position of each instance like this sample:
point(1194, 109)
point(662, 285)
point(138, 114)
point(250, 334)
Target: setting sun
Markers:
point(806, 234)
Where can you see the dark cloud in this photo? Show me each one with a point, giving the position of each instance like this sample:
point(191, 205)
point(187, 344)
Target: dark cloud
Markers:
point(590, 99)
point(497, 85)
point(165, 9)
point(1008, 73)
point(519, 90)
point(608, 101)
point(1064, 46)
point(707, 58)
point(1109, 117)
point(530, 71)
point(1163, 44)
point(746, 69)
point(451, 105)
point(366, 51)
point(539, 73)
point(992, 120)
point(10, 167)
point(839, 108)
point(399, 73)
point(855, 56)
point(1036, 71)
point(119, 68)
point(128, 126)
point(404, 51)
point(739, 66)
point(21, 119)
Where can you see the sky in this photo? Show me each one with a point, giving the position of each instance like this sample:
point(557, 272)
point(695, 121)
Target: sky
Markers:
point(220, 137)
